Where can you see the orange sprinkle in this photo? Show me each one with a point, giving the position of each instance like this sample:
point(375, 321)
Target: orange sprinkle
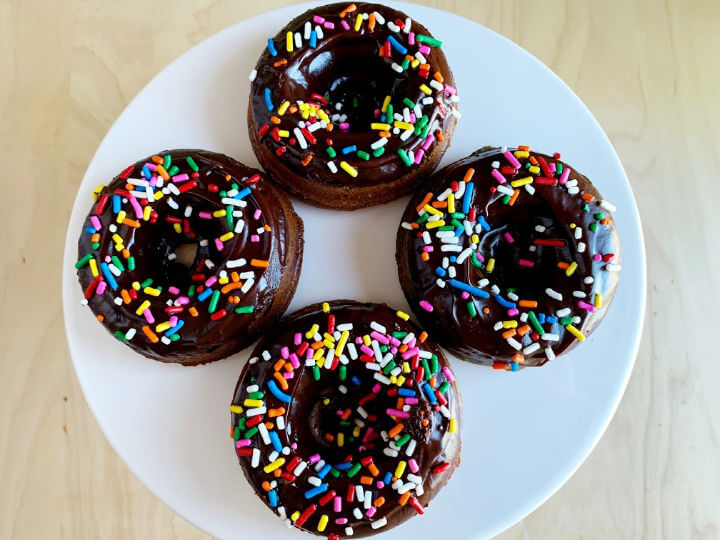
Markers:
point(235, 276)
point(486, 310)
point(424, 67)
point(433, 381)
point(524, 329)
point(385, 134)
point(513, 197)
point(228, 177)
point(330, 127)
point(277, 472)
point(519, 358)
point(404, 498)
point(306, 161)
point(125, 296)
point(379, 502)
point(346, 414)
point(270, 425)
point(161, 170)
point(500, 365)
point(275, 120)
point(150, 334)
point(439, 136)
point(395, 430)
point(605, 221)
point(95, 238)
point(588, 197)
point(126, 253)
point(316, 345)
point(371, 22)
point(533, 160)
point(424, 201)
point(329, 437)
point(280, 63)
point(234, 299)
point(439, 204)
point(293, 109)
point(158, 159)
point(366, 480)
point(259, 263)
point(193, 311)
point(349, 9)
point(281, 380)
point(131, 223)
point(230, 286)
point(288, 366)
point(425, 422)
point(468, 174)
point(272, 413)
point(279, 364)
point(527, 303)
point(100, 317)
point(562, 265)
point(267, 228)
point(266, 485)
point(423, 336)
point(425, 256)
point(438, 77)
point(373, 469)
point(509, 333)
point(232, 432)
point(524, 148)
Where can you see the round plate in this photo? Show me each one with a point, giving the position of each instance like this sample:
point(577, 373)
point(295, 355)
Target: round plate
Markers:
point(524, 433)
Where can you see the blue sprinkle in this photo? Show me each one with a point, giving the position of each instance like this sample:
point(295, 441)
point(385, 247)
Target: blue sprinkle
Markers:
point(322, 473)
point(504, 303)
point(146, 172)
point(467, 197)
point(396, 45)
point(116, 204)
point(243, 193)
point(268, 101)
point(175, 329)
point(383, 118)
point(343, 466)
point(440, 271)
point(90, 230)
point(271, 47)
point(541, 318)
point(310, 493)
point(282, 396)
point(514, 366)
point(483, 223)
point(388, 478)
point(468, 288)
point(550, 319)
point(313, 39)
point(406, 392)
point(108, 275)
point(356, 380)
point(272, 498)
point(275, 440)
point(349, 149)
point(459, 231)
point(207, 293)
point(453, 258)
point(429, 393)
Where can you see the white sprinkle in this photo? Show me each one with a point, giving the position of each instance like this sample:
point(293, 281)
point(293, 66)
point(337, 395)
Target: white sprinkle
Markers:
point(540, 228)
point(390, 452)
point(554, 294)
point(359, 493)
point(172, 204)
point(396, 67)
point(130, 333)
point(307, 29)
point(300, 468)
point(563, 312)
point(255, 412)
point(611, 267)
point(253, 74)
point(464, 255)
point(118, 301)
point(235, 263)
point(378, 327)
point(357, 513)
point(451, 247)
point(512, 296)
point(549, 353)
point(319, 32)
point(379, 523)
point(578, 233)
point(581, 247)
point(381, 378)
point(394, 27)
point(514, 344)
point(298, 40)
point(379, 18)
point(574, 190)
point(579, 294)
point(349, 531)
point(114, 269)
point(382, 141)
point(410, 448)
point(440, 283)
point(255, 461)
point(504, 190)
point(607, 205)
point(300, 138)
point(314, 481)
point(333, 168)
point(531, 348)
point(263, 433)
point(247, 286)
point(550, 337)
point(571, 183)
point(588, 280)
point(523, 317)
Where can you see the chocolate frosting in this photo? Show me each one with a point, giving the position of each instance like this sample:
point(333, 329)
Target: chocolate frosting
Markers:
point(565, 211)
point(345, 68)
point(315, 397)
point(153, 244)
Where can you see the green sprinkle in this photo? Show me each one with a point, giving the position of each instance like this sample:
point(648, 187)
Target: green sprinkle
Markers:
point(593, 227)
point(434, 366)
point(444, 387)
point(355, 103)
point(422, 219)
point(536, 325)
point(342, 372)
point(214, 301)
point(457, 223)
point(379, 151)
point(566, 320)
point(191, 291)
point(599, 216)
point(174, 337)
point(363, 155)
point(405, 63)
point(471, 308)
point(172, 171)
point(389, 367)
point(389, 113)
point(131, 263)
point(334, 473)
point(586, 208)
point(446, 228)
point(457, 215)
point(244, 309)
point(167, 162)
point(352, 471)
point(426, 368)
point(256, 395)
point(316, 373)
point(403, 155)
point(241, 423)
point(422, 38)
point(476, 262)
point(146, 283)
point(82, 262)
point(409, 102)
point(193, 165)
point(229, 217)
point(236, 434)
point(506, 199)
point(121, 336)
point(95, 245)
point(425, 131)
point(120, 266)
point(402, 440)
point(331, 151)
point(558, 167)
point(251, 432)
point(399, 335)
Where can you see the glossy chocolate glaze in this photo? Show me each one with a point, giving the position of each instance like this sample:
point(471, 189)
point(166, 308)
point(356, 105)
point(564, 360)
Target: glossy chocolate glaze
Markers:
point(201, 339)
point(345, 65)
point(473, 338)
point(307, 419)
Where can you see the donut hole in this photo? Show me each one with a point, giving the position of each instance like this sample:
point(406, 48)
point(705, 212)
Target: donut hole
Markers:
point(186, 254)
point(355, 80)
point(521, 266)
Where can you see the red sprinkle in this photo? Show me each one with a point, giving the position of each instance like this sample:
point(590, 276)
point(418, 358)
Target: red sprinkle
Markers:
point(441, 468)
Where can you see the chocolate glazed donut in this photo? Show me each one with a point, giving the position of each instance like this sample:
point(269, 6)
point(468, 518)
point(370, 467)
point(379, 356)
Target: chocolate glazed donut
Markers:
point(346, 420)
point(188, 255)
point(509, 257)
point(351, 105)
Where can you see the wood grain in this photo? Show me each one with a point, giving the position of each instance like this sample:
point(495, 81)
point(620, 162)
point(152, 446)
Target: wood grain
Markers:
point(648, 70)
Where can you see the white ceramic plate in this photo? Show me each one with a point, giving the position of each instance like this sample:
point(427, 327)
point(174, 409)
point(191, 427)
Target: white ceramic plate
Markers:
point(524, 433)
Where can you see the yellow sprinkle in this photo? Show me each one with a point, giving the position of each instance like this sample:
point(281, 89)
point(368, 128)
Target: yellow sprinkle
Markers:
point(96, 192)
point(367, 340)
point(356, 431)
point(94, 268)
point(279, 462)
point(284, 107)
point(509, 324)
point(521, 154)
point(358, 21)
point(326, 401)
point(380, 126)
point(117, 238)
point(451, 203)
point(295, 515)
point(402, 125)
point(143, 307)
point(340, 439)
point(283, 133)
point(329, 344)
point(521, 181)
point(425, 89)
point(227, 236)
point(136, 286)
point(237, 409)
point(597, 303)
point(324, 117)
point(341, 342)
point(163, 326)
point(386, 102)
point(253, 403)
point(490, 265)
point(406, 367)
point(289, 46)
point(575, 332)
point(432, 210)
point(534, 169)
point(318, 356)
point(570, 270)
point(313, 329)
point(400, 469)
point(400, 380)
point(352, 171)
point(572, 225)
point(219, 213)
point(404, 316)
point(224, 280)
point(475, 239)
point(121, 215)
point(152, 291)
point(434, 224)
point(452, 426)
point(146, 213)
point(415, 63)
point(324, 518)
point(326, 309)
point(177, 228)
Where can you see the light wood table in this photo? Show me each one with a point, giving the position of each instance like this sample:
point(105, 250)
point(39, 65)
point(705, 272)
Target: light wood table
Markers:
point(648, 70)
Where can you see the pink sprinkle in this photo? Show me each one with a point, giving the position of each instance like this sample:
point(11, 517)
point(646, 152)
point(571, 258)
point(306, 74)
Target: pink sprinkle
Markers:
point(294, 360)
point(257, 214)
point(240, 443)
point(512, 312)
point(219, 245)
point(498, 176)
point(428, 141)
point(173, 321)
point(341, 521)
point(107, 259)
point(285, 353)
point(345, 25)
point(380, 484)
point(289, 374)
point(479, 257)
point(205, 215)
point(337, 504)
point(597, 257)
point(552, 167)
point(358, 340)
point(136, 206)
point(255, 238)
point(298, 339)
point(411, 400)
point(512, 159)
point(314, 459)
point(411, 38)
point(412, 342)
point(371, 511)
point(149, 316)
point(564, 175)
point(367, 350)
point(428, 249)
point(329, 25)
point(450, 90)
point(399, 414)
point(376, 388)
point(412, 118)
point(424, 49)
point(96, 222)
point(344, 126)
point(410, 352)
point(586, 306)
point(395, 341)
point(526, 263)
point(153, 181)
point(151, 166)
point(448, 375)
point(393, 350)
point(293, 446)
point(382, 339)
point(414, 467)
point(209, 282)
point(318, 19)
point(465, 295)
point(180, 178)
point(173, 290)
point(309, 353)
point(182, 300)
point(368, 433)
point(101, 288)
point(509, 238)
point(419, 156)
